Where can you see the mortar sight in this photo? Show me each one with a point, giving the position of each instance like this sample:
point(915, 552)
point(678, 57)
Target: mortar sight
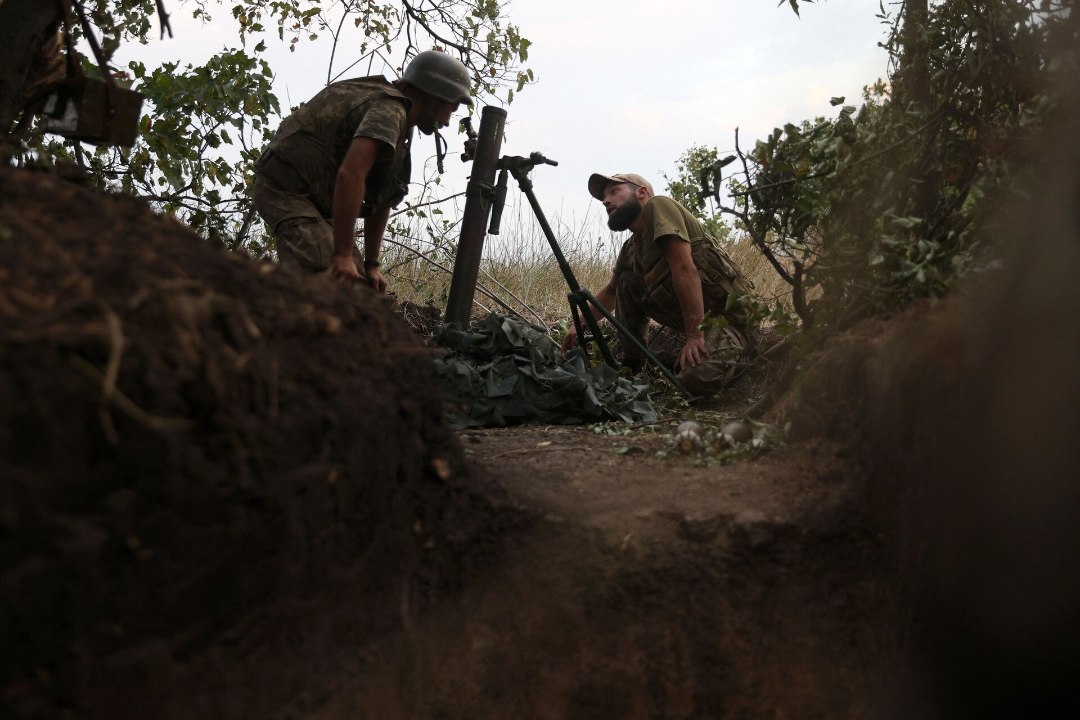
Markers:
point(470, 140)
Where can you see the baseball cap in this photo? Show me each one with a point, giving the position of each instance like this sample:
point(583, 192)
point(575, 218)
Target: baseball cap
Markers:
point(598, 183)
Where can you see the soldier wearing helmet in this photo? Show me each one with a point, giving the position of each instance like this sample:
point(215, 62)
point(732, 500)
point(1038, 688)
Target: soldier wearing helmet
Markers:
point(344, 154)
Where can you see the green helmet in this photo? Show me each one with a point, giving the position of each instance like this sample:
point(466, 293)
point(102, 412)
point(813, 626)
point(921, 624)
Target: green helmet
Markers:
point(439, 75)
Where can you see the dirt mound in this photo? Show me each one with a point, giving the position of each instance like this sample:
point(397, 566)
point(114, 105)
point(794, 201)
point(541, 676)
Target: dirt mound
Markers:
point(198, 454)
point(959, 420)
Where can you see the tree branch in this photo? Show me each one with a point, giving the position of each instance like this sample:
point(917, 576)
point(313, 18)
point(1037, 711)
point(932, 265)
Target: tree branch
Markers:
point(422, 22)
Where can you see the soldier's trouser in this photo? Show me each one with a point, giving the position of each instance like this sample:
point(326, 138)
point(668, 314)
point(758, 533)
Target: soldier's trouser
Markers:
point(304, 238)
point(728, 347)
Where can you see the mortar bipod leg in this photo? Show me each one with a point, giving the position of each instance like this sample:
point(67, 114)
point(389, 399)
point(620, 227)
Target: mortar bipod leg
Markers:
point(575, 313)
point(579, 300)
point(638, 343)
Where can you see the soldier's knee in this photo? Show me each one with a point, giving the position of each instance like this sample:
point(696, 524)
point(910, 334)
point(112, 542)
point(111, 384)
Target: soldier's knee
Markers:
point(306, 243)
point(703, 384)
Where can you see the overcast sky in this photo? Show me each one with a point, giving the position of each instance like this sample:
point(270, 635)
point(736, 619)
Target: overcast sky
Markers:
point(627, 86)
point(630, 86)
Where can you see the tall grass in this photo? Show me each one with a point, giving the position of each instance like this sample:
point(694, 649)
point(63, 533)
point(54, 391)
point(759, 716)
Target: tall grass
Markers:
point(518, 270)
point(768, 285)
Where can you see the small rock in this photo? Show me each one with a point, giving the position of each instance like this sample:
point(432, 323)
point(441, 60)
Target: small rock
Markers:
point(688, 437)
point(739, 432)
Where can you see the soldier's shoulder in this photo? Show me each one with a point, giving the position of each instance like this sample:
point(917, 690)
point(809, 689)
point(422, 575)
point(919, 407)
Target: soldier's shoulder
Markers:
point(663, 201)
point(362, 88)
point(664, 204)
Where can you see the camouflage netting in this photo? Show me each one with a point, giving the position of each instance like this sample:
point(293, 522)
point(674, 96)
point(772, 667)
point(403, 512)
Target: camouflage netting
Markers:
point(504, 372)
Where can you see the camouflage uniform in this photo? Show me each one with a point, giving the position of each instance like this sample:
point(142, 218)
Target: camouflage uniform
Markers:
point(644, 290)
point(295, 177)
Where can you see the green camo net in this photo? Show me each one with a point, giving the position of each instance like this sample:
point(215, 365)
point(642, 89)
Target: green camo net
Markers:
point(504, 371)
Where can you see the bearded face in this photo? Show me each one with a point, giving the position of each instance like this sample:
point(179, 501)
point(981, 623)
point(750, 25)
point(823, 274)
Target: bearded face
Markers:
point(624, 213)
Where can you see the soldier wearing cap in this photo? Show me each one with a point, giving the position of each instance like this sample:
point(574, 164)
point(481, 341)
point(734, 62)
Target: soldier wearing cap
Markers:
point(344, 154)
point(672, 272)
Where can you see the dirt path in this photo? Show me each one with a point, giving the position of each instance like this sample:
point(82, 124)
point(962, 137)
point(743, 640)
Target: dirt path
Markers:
point(649, 587)
point(600, 478)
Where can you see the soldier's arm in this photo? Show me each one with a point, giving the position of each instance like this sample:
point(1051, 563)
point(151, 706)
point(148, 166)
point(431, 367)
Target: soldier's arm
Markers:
point(687, 285)
point(374, 229)
point(606, 294)
point(348, 198)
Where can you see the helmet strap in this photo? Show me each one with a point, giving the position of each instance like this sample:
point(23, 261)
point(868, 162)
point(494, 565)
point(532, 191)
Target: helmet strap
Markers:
point(440, 151)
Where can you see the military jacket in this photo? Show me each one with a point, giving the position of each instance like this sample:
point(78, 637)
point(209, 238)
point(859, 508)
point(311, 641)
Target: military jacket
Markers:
point(643, 254)
point(309, 147)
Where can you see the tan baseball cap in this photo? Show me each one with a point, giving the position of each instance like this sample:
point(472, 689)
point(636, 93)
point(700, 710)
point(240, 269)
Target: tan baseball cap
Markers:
point(598, 183)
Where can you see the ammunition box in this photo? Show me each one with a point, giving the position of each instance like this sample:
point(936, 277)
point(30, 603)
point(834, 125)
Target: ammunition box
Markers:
point(89, 110)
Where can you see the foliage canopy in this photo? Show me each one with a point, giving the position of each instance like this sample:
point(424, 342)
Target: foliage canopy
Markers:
point(204, 125)
point(889, 200)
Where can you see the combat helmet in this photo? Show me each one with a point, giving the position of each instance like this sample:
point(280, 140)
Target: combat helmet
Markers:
point(439, 75)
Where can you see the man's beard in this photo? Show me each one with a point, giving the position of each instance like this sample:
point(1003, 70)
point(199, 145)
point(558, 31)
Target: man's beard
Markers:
point(621, 217)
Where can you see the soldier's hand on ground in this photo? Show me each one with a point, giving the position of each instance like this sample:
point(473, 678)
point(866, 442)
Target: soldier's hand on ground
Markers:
point(376, 280)
point(342, 267)
point(569, 341)
point(692, 353)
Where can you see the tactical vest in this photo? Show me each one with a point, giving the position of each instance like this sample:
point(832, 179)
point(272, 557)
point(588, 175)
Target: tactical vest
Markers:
point(720, 277)
point(309, 147)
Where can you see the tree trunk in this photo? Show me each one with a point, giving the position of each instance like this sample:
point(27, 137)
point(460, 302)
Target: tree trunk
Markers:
point(915, 66)
point(915, 93)
point(25, 25)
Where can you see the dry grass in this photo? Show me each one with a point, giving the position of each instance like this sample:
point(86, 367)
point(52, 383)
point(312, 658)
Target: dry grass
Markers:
point(769, 285)
point(518, 270)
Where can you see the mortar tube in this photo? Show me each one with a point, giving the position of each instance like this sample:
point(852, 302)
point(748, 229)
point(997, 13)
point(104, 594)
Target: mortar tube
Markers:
point(478, 197)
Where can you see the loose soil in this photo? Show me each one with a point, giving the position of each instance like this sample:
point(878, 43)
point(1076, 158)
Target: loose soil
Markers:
point(229, 492)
